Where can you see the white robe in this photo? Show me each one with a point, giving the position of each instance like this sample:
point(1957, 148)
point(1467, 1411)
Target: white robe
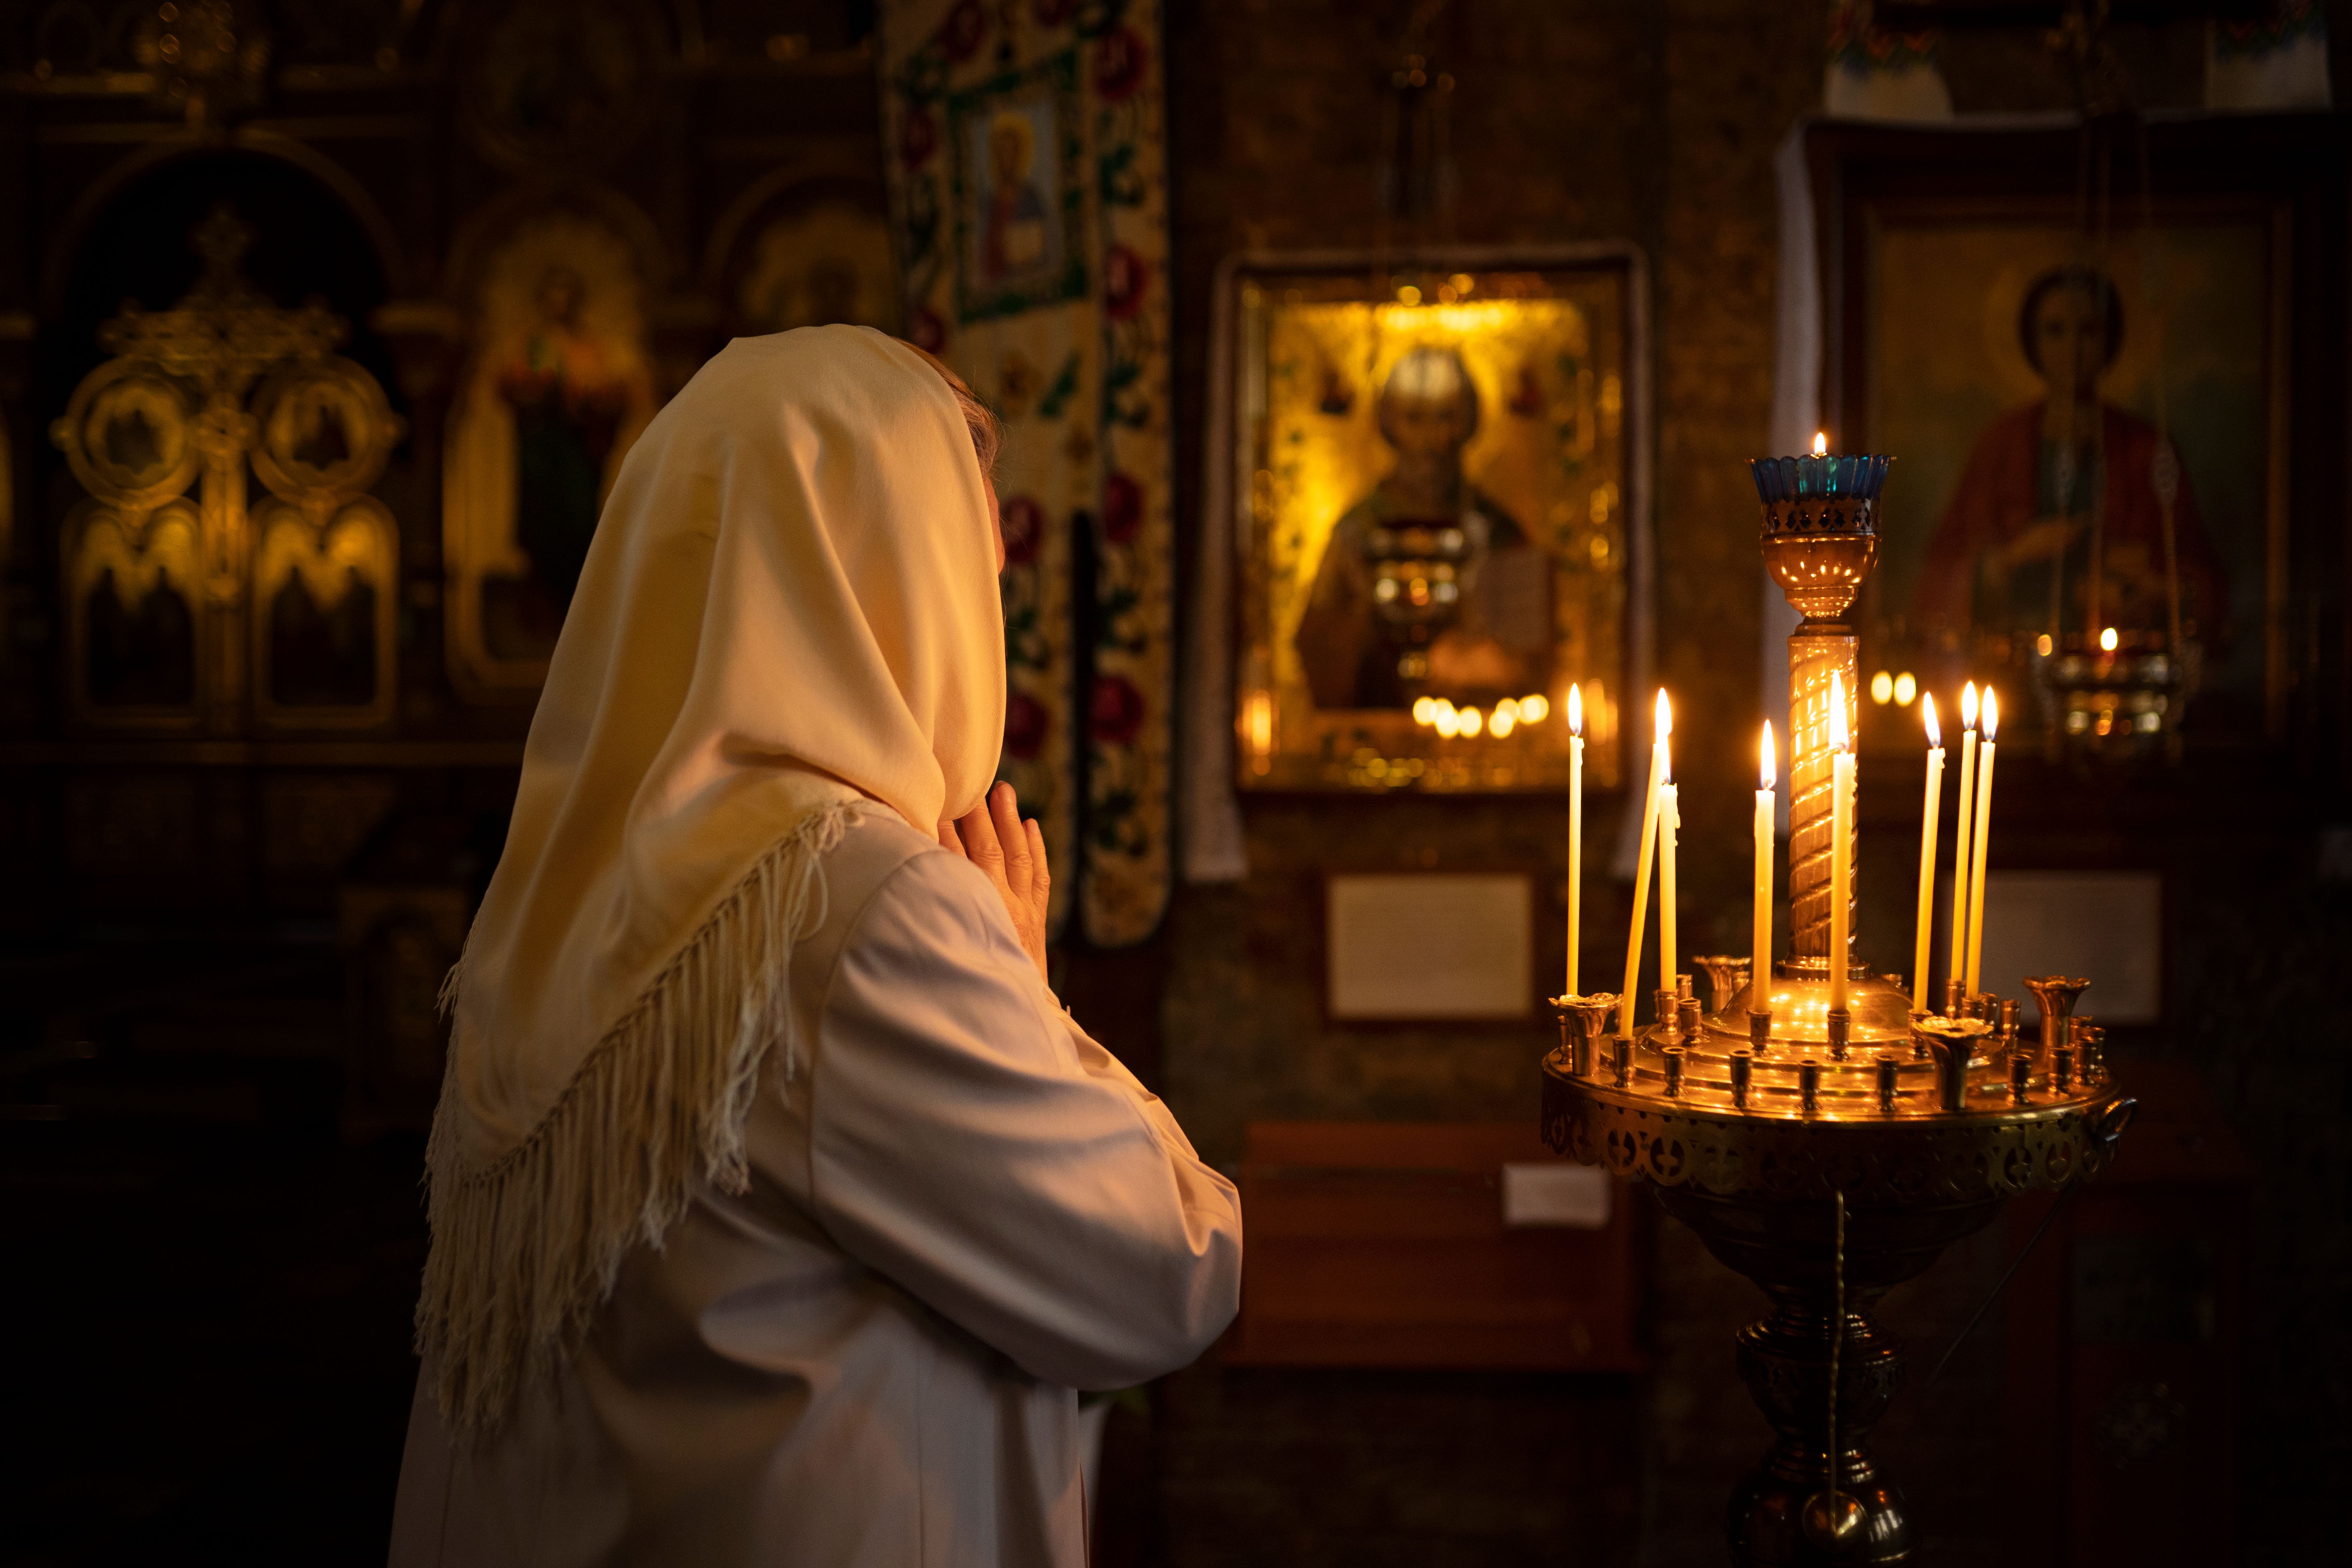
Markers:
point(961, 1210)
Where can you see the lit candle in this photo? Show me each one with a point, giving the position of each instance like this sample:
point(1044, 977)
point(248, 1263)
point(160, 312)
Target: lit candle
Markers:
point(1960, 832)
point(1760, 964)
point(1840, 857)
point(1984, 825)
point(1927, 929)
point(1575, 832)
point(1658, 769)
point(1670, 817)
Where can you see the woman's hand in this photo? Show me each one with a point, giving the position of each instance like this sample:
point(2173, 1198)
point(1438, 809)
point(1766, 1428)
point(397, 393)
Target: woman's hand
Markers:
point(1011, 852)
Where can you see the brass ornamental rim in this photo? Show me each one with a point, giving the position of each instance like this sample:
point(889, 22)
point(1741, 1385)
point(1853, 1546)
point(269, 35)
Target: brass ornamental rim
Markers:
point(1876, 1163)
point(1860, 1071)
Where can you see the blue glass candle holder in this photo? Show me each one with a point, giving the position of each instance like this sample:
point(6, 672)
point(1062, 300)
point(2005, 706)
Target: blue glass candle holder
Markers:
point(1835, 493)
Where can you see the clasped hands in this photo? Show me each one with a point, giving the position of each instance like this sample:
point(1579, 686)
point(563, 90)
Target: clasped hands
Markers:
point(1010, 853)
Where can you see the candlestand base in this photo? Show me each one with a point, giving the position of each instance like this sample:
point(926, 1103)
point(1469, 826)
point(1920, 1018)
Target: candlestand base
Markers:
point(1780, 1513)
point(1756, 1152)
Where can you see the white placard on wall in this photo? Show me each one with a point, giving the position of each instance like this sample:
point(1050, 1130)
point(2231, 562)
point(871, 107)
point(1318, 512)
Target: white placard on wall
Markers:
point(1430, 945)
point(2106, 926)
point(1575, 1197)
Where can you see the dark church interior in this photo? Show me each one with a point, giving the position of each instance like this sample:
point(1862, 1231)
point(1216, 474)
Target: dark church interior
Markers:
point(1390, 395)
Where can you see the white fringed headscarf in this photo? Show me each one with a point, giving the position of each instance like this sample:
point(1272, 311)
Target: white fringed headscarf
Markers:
point(791, 602)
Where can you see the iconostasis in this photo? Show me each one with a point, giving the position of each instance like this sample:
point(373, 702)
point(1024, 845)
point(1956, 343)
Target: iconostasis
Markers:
point(330, 330)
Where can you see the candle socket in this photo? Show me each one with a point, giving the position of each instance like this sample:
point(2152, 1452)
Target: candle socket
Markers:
point(1686, 1020)
point(2008, 1024)
point(1952, 998)
point(1952, 1041)
point(1743, 1074)
point(1841, 1029)
point(2020, 1078)
point(2054, 995)
point(2061, 1070)
point(1760, 1030)
point(1809, 1087)
point(1919, 1041)
point(1668, 1004)
point(1684, 987)
point(1583, 1020)
point(1622, 1060)
point(1889, 1070)
point(2091, 1054)
point(1672, 1059)
point(1725, 974)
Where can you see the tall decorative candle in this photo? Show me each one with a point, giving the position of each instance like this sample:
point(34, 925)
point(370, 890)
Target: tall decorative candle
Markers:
point(1960, 826)
point(1927, 927)
point(1670, 818)
point(1575, 832)
point(1984, 826)
point(1759, 965)
point(1658, 769)
point(1841, 850)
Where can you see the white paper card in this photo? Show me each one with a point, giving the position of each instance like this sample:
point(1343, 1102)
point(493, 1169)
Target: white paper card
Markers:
point(1430, 946)
point(2106, 926)
point(1576, 1196)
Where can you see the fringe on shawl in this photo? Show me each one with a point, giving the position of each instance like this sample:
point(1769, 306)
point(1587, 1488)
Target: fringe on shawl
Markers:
point(526, 1249)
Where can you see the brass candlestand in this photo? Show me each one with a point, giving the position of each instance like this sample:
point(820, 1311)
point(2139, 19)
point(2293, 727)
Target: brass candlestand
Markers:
point(1827, 1158)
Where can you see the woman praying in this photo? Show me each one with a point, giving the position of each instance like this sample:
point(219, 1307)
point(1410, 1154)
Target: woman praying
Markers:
point(778, 1208)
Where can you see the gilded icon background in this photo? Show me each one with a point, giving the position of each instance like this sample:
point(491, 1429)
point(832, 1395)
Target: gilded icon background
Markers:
point(556, 390)
point(1437, 491)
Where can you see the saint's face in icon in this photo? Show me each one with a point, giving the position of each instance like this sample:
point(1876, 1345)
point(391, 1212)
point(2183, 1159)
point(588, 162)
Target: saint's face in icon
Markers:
point(2068, 338)
point(1011, 149)
point(557, 296)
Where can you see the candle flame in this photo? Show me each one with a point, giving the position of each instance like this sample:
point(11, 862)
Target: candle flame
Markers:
point(1575, 710)
point(1934, 731)
point(1665, 715)
point(1969, 706)
point(1767, 761)
point(1820, 443)
point(2108, 640)
point(1991, 716)
point(1840, 739)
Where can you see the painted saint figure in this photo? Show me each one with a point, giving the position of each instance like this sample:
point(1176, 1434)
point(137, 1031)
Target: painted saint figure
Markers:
point(2057, 523)
point(569, 407)
point(556, 392)
point(1013, 238)
point(1427, 586)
